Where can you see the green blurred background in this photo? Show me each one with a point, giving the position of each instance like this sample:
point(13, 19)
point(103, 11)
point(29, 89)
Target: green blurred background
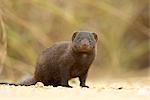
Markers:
point(29, 26)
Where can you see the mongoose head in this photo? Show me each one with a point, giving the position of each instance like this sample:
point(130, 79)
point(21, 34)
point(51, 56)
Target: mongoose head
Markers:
point(84, 41)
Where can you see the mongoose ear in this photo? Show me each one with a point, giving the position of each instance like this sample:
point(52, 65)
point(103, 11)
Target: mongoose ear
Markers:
point(95, 36)
point(74, 35)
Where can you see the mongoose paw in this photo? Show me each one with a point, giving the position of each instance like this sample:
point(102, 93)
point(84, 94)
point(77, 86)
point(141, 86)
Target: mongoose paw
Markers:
point(84, 86)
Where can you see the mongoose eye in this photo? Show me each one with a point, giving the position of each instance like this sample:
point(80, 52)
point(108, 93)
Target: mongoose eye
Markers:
point(79, 39)
point(90, 40)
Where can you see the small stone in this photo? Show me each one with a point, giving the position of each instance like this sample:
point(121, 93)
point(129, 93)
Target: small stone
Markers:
point(39, 84)
point(120, 88)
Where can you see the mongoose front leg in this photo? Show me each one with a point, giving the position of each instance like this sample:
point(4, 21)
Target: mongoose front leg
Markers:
point(82, 79)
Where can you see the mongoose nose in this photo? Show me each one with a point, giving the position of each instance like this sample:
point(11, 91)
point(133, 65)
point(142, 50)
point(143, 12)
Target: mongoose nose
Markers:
point(84, 43)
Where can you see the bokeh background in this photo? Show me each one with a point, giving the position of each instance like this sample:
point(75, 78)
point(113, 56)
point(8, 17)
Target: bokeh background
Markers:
point(29, 26)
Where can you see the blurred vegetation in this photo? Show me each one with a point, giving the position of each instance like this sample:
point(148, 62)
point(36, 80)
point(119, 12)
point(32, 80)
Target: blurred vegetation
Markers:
point(32, 25)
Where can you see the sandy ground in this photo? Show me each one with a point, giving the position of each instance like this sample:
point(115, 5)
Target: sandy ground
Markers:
point(108, 89)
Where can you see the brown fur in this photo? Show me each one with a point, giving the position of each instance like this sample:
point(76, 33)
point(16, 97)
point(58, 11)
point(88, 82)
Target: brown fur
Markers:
point(65, 60)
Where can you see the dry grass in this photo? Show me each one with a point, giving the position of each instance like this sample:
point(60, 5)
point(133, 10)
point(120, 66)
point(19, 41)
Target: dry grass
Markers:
point(3, 42)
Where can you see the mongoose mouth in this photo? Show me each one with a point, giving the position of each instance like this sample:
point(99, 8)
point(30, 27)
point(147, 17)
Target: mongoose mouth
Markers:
point(84, 49)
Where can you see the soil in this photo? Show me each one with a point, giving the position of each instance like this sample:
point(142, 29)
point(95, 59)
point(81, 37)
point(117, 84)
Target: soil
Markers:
point(105, 89)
